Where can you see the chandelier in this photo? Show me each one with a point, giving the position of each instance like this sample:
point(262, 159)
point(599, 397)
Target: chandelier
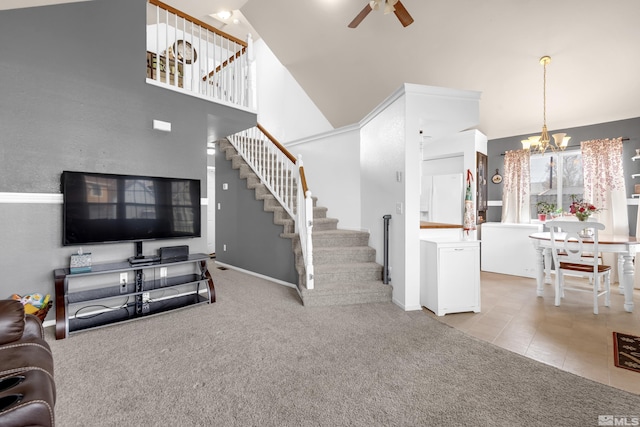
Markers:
point(538, 144)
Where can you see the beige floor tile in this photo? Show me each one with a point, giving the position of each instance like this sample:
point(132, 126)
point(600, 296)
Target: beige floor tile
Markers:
point(569, 337)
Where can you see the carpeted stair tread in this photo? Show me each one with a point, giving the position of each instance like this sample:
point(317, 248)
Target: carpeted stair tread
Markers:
point(340, 254)
point(347, 273)
point(350, 268)
point(338, 237)
point(366, 292)
point(325, 224)
point(362, 286)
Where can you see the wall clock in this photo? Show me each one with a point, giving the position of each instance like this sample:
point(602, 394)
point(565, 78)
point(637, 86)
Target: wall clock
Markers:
point(496, 178)
point(185, 52)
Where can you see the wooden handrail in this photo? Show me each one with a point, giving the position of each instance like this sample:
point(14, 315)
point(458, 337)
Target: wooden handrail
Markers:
point(303, 181)
point(277, 144)
point(197, 21)
point(225, 63)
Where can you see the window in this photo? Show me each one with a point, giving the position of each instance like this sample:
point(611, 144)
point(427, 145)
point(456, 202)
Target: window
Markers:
point(545, 185)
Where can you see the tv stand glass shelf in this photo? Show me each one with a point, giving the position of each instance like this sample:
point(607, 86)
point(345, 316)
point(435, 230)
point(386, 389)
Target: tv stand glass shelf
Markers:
point(120, 291)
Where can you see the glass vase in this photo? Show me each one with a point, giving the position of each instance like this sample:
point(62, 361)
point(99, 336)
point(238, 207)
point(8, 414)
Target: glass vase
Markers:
point(582, 216)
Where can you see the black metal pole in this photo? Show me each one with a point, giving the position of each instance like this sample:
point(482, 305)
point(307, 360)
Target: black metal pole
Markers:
point(385, 267)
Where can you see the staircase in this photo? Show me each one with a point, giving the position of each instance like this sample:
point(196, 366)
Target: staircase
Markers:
point(344, 264)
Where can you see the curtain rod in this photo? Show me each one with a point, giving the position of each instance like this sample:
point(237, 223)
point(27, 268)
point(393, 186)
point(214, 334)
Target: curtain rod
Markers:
point(577, 146)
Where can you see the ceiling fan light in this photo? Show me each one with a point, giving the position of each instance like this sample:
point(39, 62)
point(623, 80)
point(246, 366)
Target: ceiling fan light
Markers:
point(374, 4)
point(389, 8)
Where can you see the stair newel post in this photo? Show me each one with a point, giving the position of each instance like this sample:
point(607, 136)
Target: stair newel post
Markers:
point(304, 222)
point(309, 230)
point(385, 269)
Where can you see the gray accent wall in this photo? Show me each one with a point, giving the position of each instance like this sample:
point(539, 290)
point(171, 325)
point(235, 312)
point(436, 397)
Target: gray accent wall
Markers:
point(629, 128)
point(252, 240)
point(73, 96)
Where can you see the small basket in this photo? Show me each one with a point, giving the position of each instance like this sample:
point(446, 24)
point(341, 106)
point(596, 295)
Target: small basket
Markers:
point(42, 313)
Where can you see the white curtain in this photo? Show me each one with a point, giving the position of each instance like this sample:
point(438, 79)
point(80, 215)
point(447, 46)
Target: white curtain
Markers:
point(515, 195)
point(604, 186)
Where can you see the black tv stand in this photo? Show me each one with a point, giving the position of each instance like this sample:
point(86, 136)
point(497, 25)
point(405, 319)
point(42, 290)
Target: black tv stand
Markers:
point(126, 292)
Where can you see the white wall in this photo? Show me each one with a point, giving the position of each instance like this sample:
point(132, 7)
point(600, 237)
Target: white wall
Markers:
point(284, 109)
point(463, 143)
point(382, 159)
point(331, 164)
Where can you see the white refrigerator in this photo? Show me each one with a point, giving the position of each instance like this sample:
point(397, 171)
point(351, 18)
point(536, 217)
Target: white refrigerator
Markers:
point(442, 198)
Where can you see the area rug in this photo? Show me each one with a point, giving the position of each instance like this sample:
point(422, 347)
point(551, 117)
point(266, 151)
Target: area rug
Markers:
point(626, 351)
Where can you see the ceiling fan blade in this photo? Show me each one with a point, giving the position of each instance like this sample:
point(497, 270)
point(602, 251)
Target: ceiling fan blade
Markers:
point(358, 19)
point(402, 14)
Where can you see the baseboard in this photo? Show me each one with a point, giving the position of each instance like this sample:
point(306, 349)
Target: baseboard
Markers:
point(262, 276)
point(406, 308)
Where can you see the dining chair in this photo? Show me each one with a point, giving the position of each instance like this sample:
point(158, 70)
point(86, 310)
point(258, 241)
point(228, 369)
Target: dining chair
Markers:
point(567, 248)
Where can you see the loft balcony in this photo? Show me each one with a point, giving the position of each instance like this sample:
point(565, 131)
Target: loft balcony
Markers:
point(189, 56)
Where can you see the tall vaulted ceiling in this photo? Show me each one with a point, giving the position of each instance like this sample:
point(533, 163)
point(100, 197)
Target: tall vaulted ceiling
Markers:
point(489, 46)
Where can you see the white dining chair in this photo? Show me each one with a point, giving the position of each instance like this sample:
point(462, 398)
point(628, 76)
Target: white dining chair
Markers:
point(567, 249)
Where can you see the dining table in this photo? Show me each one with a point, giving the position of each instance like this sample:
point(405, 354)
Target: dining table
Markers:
point(624, 246)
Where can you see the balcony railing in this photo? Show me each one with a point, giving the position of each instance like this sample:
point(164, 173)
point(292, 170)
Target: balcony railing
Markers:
point(189, 55)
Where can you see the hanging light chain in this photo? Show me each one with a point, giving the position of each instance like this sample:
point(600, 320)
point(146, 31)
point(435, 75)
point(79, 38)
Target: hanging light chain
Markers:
point(544, 90)
point(539, 144)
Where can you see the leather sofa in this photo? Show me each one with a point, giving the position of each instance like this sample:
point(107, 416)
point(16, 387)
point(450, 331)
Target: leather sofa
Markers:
point(27, 388)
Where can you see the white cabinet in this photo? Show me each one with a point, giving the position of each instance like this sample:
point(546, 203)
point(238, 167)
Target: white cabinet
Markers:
point(450, 276)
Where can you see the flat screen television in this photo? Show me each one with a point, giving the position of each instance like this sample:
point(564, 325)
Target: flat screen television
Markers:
point(102, 208)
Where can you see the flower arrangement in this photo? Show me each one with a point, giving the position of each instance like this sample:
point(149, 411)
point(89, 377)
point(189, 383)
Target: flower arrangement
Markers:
point(581, 209)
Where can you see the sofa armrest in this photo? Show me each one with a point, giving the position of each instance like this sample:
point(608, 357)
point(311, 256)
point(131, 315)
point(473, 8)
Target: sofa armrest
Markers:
point(32, 327)
point(12, 321)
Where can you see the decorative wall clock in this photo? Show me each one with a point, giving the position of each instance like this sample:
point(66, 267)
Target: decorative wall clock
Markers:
point(185, 52)
point(496, 178)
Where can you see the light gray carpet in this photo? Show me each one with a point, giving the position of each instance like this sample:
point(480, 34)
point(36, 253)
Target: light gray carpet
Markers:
point(257, 357)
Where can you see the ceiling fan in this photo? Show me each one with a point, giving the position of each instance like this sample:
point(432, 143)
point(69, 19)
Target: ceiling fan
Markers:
point(394, 6)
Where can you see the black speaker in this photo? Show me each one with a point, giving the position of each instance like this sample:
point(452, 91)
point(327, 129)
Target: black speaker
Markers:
point(174, 253)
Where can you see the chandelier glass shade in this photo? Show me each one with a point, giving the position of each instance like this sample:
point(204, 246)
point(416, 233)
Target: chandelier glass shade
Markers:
point(540, 143)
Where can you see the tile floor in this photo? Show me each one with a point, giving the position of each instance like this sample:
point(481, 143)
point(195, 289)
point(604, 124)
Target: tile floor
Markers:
point(569, 337)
